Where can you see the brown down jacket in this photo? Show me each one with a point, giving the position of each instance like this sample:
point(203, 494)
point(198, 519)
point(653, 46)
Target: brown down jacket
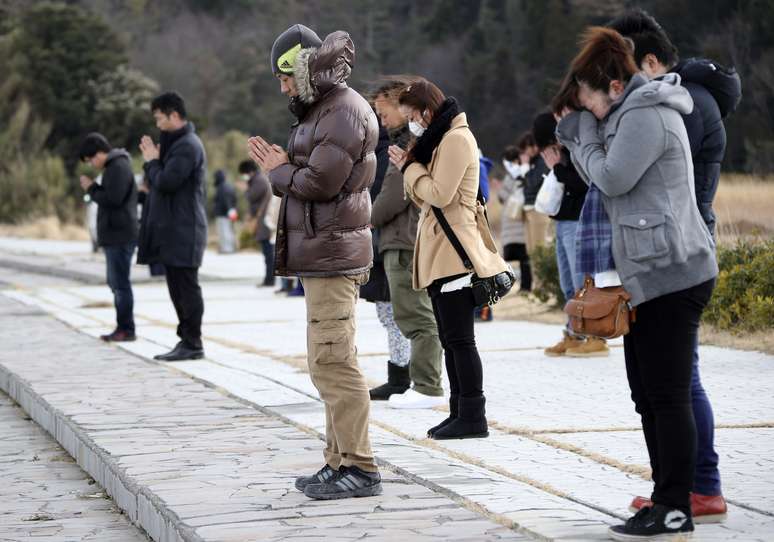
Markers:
point(323, 224)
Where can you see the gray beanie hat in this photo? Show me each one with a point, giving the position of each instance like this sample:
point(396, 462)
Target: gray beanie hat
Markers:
point(287, 46)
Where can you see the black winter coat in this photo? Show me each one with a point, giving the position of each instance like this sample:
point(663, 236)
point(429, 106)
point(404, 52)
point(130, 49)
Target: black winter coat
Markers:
point(377, 288)
point(174, 231)
point(574, 189)
point(116, 198)
point(533, 180)
point(716, 92)
point(225, 197)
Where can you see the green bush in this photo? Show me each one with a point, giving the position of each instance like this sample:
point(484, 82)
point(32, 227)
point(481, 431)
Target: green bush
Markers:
point(744, 296)
point(34, 188)
point(546, 286)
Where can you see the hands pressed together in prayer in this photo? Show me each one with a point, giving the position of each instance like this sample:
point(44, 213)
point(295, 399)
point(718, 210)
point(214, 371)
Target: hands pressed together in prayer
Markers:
point(397, 156)
point(266, 155)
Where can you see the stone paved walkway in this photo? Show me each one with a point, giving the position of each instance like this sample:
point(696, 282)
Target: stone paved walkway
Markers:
point(44, 495)
point(565, 455)
point(186, 461)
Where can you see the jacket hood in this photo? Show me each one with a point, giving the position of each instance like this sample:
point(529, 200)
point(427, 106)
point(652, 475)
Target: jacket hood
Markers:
point(319, 69)
point(721, 82)
point(117, 153)
point(666, 91)
point(220, 177)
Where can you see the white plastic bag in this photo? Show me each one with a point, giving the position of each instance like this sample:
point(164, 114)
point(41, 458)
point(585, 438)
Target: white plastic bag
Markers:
point(549, 197)
point(514, 205)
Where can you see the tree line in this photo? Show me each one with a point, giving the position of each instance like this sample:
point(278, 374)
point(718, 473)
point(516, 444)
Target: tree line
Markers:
point(77, 66)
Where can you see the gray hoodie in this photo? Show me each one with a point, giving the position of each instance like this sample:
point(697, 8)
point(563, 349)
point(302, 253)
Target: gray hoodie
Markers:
point(640, 158)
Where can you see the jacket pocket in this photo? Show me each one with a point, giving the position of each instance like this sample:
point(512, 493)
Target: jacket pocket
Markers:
point(644, 236)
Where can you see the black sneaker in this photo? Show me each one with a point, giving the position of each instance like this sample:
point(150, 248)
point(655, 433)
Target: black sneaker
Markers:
point(321, 476)
point(350, 482)
point(657, 523)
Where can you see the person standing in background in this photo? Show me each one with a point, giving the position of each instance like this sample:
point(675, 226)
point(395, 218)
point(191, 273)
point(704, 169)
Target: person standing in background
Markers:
point(225, 213)
point(116, 200)
point(259, 198)
point(175, 232)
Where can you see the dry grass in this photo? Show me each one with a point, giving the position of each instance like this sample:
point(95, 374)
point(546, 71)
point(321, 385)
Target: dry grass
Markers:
point(744, 207)
point(46, 228)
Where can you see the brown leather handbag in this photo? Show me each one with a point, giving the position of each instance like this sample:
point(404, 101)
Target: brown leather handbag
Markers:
point(600, 312)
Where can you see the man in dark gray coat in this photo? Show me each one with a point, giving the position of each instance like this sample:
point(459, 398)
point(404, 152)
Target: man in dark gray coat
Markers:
point(175, 232)
point(116, 198)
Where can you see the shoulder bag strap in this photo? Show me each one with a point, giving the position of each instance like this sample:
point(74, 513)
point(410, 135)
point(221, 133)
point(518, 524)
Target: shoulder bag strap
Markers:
point(452, 238)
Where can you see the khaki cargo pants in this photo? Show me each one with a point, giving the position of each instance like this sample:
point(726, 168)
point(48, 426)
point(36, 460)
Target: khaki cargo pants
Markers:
point(332, 358)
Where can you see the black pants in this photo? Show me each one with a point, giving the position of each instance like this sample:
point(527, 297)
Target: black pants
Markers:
point(268, 255)
point(659, 360)
point(183, 284)
point(454, 317)
point(518, 252)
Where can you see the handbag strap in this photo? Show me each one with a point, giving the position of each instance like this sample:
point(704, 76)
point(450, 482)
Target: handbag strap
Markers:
point(453, 239)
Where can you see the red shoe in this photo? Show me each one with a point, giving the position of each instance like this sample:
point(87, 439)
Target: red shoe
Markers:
point(708, 508)
point(704, 508)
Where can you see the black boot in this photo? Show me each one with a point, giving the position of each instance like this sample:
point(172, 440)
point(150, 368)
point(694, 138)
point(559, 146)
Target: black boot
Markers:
point(398, 381)
point(471, 422)
point(454, 411)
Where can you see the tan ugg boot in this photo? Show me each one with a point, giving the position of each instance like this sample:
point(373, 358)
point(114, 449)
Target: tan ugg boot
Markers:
point(560, 348)
point(590, 348)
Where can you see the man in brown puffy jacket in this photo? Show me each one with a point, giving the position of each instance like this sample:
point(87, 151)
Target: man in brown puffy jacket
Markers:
point(323, 236)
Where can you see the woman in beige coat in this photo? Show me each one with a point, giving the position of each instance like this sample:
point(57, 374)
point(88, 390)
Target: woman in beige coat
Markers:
point(441, 170)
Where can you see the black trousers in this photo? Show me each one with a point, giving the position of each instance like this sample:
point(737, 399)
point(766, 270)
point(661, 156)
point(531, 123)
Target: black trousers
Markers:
point(454, 317)
point(186, 294)
point(659, 361)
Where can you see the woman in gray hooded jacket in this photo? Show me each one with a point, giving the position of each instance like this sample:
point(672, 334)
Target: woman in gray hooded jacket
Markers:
point(632, 144)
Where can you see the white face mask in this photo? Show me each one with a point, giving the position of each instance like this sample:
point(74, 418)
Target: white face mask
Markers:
point(511, 168)
point(245, 177)
point(515, 170)
point(416, 128)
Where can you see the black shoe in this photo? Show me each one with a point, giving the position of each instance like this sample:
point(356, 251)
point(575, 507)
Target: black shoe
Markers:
point(181, 352)
point(119, 336)
point(350, 482)
point(454, 410)
point(321, 476)
point(657, 523)
point(471, 422)
point(398, 381)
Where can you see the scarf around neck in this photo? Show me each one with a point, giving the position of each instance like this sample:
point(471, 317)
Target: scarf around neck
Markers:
point(422, 151)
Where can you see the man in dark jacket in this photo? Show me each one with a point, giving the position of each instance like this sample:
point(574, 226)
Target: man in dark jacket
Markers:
point(116, 199)
point(716, 92)
point(175, 231)
point(324, 237)
point(259, 199)
point(225, 213)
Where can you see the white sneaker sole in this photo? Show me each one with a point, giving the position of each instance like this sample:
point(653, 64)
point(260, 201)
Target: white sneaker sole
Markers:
point(666, 537)
point(697, 520)
point(417, 405)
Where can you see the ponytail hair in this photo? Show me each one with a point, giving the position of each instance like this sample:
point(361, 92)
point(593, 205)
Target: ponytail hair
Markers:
point(605, 56)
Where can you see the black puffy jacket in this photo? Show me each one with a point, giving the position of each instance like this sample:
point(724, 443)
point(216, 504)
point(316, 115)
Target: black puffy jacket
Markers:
point(716, 92)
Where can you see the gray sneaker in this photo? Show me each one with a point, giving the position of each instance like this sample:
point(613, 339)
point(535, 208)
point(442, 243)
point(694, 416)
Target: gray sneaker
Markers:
point(350, 482)
point(321, 476)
